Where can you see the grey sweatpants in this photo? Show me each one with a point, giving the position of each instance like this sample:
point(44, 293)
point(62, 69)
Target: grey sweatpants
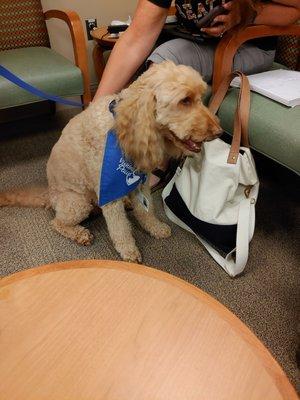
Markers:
point(248, 59)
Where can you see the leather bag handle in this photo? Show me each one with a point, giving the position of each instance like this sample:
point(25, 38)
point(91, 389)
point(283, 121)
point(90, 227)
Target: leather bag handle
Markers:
point(241, 118)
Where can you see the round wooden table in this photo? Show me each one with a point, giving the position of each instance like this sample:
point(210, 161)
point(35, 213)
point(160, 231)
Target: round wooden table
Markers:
point(89, 330)
point(103, 42)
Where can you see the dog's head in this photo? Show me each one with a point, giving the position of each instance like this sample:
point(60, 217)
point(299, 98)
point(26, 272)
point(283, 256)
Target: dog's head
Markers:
point(162, 114)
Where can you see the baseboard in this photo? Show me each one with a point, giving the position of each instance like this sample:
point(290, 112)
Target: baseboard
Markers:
point(27, 111)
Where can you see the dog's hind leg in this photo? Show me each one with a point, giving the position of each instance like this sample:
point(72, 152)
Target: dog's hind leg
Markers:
point(120, 231)
point(72, 208)
point(147, 219)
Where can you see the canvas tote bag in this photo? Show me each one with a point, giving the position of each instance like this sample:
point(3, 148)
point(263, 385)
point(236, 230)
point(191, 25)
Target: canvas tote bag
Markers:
point(214, 194)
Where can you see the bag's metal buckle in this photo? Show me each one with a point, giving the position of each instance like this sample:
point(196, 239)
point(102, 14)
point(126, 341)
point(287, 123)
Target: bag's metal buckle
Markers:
point(248, 190)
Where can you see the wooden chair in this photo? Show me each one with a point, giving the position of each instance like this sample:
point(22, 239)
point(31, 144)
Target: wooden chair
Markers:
point(273, 128)
point(25, 50)
point(231, 42)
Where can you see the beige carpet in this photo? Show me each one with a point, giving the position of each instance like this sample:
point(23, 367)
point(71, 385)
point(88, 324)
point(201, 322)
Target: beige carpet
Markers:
point(266, 297)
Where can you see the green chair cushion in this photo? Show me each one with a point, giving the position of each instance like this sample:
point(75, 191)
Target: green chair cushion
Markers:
point(43, 68)
point(274, 129)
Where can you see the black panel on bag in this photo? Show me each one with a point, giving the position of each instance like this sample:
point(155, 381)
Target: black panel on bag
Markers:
point(221, 237)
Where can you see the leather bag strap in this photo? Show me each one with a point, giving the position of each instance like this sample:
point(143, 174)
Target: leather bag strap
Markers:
point(241, 118)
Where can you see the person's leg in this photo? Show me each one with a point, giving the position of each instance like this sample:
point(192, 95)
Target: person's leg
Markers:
point(182, 51)
point(249, 58)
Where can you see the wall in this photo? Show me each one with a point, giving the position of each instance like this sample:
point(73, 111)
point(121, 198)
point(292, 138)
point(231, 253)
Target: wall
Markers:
point(104, 10)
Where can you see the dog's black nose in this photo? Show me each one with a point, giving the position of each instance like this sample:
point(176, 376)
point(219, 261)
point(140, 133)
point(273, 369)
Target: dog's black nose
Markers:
point(214, 136)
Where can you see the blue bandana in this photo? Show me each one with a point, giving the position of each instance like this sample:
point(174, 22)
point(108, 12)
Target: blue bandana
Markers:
point(118, 176)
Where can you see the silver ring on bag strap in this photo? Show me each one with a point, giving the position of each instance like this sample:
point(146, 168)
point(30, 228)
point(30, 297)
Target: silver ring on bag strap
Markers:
point(241, 119)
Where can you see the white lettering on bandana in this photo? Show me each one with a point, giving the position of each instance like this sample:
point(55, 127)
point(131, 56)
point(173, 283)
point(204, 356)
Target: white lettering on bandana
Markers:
point(118, 175)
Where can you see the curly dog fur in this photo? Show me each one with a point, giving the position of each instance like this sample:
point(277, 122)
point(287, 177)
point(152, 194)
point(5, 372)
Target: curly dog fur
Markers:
point(158, 116)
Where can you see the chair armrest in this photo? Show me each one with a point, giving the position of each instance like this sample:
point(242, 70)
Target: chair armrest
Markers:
point(79, 45)
point(172, 10)
point(229, 45)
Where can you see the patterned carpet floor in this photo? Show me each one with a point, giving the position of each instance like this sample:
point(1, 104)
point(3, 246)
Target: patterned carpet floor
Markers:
point(266, 297)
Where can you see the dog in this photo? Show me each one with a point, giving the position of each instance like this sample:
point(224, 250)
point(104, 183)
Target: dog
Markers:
point(160, 115)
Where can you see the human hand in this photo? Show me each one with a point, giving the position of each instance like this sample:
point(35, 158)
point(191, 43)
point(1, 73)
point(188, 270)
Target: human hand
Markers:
point(224, 22)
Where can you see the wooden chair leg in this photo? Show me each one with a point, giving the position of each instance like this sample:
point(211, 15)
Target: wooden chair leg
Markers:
point(98, 61)
point(86, 98)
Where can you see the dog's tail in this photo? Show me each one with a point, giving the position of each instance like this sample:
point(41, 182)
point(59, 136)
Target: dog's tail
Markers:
point(28, 197)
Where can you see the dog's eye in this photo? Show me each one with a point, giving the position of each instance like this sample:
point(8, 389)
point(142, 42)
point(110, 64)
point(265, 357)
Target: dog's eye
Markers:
point(186, 101)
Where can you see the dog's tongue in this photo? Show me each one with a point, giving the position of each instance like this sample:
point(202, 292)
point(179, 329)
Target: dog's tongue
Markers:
point(193, 146)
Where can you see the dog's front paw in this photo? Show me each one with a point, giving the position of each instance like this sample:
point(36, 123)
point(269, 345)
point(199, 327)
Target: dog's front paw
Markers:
point(84, 237)
point(160, 230)
point(131, 255)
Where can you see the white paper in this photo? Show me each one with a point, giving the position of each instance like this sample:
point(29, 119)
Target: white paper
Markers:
point(280, 85)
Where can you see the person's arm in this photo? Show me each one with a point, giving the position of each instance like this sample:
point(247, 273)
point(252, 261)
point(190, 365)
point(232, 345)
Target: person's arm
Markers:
point(276, 12)
point(133, 47)
point(279, 12)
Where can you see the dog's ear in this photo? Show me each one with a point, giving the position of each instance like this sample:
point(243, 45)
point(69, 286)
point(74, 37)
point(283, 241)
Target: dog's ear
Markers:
point(136, 125)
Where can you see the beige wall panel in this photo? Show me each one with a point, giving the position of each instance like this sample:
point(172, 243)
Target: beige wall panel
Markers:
point(104, 10)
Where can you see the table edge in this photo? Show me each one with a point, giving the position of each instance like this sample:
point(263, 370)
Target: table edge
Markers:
point(103, 40)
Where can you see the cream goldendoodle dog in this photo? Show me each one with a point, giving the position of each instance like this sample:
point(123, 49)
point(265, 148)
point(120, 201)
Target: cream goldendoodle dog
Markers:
point(160, 115)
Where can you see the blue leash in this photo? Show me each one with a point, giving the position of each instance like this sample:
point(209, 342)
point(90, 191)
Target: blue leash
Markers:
point(33, 90)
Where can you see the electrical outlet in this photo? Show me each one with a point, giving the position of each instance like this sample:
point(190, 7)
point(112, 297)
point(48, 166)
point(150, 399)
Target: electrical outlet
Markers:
point(90, 25)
